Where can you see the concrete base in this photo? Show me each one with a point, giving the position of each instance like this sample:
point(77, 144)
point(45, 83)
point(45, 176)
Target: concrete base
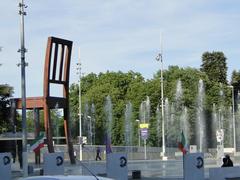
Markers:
point(162, 155)
point(164, 158)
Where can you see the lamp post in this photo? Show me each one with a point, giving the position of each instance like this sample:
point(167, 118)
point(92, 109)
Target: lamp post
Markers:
point(22, 50)
point(233, 121)
point(79, 108)
point(159, 58)
point(139, 138)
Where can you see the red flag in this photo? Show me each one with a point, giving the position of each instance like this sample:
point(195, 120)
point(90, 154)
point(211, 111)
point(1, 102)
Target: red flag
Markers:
point(182, 145)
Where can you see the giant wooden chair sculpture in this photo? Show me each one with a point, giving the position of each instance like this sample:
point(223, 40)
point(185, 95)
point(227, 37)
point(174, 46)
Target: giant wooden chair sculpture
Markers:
point(56, 71)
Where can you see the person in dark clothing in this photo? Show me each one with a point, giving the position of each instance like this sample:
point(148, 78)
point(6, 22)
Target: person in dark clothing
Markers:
point(224, 162)
point(98, 157)
point(227, 162)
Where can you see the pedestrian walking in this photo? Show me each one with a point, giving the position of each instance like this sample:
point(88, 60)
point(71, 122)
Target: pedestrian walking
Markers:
point(98, 153)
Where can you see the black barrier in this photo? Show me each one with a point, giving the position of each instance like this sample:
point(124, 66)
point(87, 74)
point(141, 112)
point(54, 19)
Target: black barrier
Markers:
point(136, 174)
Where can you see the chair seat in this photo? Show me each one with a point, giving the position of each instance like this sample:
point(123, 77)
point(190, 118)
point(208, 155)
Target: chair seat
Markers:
point(38, 102)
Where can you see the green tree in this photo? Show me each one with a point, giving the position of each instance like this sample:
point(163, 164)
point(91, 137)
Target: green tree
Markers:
point(56, 117)
point(189, 78)
point(235, 82)
point(215, 66)
point(122, 87)
point(6, 92)
point(132, 87)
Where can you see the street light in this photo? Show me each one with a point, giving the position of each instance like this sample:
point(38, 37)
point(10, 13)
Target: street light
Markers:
point(79, 108)
point(139, 138)
point(22, 50)
point(159, 58)
point(233, 121)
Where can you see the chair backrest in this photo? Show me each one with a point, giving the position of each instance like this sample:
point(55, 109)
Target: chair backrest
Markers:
point(57, 64)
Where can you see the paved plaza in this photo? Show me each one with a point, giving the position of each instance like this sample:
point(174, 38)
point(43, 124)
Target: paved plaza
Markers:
point(153, 168)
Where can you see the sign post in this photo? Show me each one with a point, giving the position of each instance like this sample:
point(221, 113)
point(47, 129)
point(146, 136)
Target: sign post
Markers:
point(144, 135)
point(220, 147)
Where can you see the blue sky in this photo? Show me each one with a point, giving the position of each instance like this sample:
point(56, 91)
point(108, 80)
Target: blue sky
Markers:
point(118, 35)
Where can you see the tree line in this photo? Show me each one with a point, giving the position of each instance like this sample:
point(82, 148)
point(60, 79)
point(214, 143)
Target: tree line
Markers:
point(133, 87)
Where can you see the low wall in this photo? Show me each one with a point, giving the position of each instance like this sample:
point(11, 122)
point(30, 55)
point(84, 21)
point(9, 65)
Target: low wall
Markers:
point(134, 153)
point(89, 152)
point(226, 173)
